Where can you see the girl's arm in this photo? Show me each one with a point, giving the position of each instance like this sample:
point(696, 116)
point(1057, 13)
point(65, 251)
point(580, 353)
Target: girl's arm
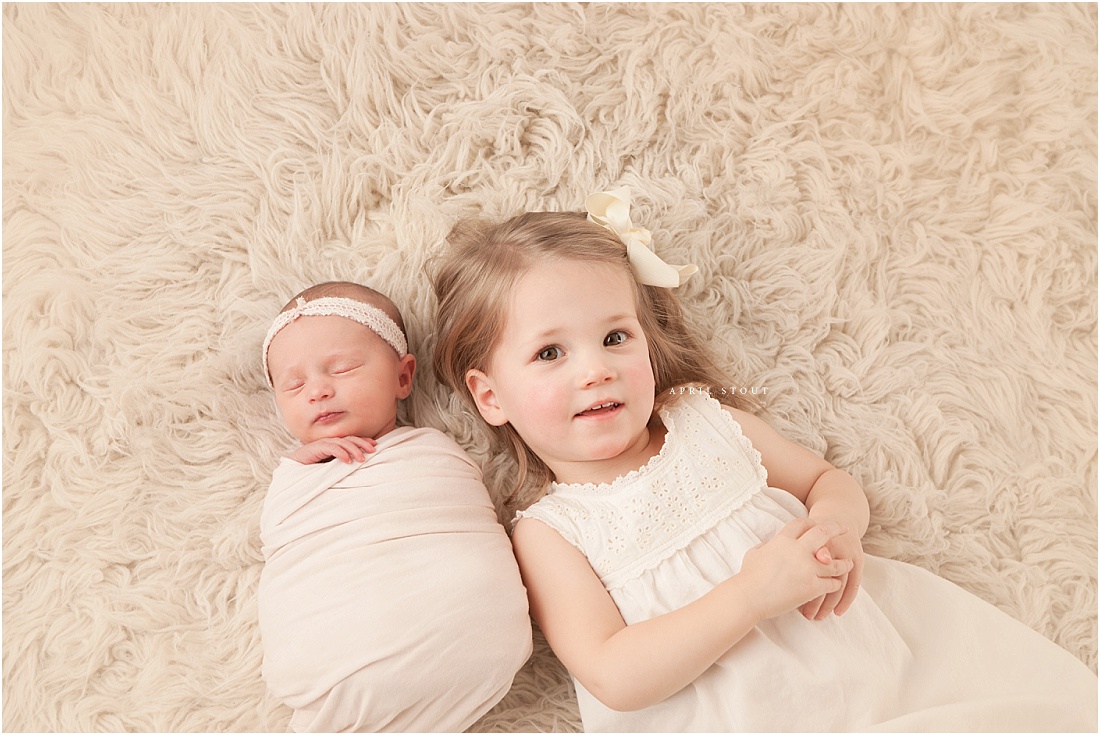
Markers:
point(830, 494)
point(630, 667)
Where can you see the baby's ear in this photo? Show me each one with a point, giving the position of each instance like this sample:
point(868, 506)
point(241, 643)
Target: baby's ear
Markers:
point(406, 369)
point(481, 389)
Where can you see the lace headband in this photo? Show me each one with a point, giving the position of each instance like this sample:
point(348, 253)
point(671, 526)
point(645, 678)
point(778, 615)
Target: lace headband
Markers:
point(370, 317)
point(611, 210)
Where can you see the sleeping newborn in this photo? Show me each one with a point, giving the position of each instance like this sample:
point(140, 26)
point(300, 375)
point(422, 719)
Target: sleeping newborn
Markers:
point(389, 599)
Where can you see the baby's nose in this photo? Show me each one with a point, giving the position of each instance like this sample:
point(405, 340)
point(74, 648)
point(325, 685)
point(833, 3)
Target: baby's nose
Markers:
point(320, 389)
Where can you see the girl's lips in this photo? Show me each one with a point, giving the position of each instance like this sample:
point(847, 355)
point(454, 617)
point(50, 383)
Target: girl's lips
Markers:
point(606, 408)
point(329, 417)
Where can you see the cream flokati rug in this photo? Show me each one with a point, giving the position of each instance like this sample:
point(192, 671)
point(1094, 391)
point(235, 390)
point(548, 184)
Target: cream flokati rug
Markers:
point(893, 210)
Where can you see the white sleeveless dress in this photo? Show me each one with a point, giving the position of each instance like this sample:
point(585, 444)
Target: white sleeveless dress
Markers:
point(913, 653)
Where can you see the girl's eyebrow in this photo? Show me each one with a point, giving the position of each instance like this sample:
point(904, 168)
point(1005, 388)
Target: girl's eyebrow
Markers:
point(552, 332)
point(547, 334)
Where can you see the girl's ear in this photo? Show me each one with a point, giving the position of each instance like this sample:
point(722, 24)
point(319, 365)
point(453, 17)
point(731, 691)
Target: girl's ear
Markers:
point(406, 369)
point(481, 389)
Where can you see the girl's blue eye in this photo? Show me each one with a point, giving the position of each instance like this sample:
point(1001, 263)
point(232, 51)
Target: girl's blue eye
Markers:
point(615, 338)
point(546, 354)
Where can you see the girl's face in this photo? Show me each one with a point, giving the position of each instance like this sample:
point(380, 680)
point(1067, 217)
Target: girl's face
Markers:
point(334, 377)
point(572, 372)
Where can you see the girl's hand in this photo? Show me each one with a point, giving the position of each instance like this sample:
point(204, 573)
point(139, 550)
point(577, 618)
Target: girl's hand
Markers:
point(845, 546)
point(784, 572)
point(345, 448)
point(828, 493)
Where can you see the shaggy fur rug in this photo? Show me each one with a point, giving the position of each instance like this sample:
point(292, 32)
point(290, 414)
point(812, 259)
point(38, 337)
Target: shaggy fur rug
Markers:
point(893, 209)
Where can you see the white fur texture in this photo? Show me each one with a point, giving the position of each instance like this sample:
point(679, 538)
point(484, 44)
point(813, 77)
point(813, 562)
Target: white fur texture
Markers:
point(893, 209)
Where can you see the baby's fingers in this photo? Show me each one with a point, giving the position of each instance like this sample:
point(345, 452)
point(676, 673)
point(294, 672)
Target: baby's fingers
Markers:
point(351, 448)
point(345, 454)
point(365, 443)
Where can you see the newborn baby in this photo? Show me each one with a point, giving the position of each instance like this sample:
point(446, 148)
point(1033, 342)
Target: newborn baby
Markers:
point(389, 598)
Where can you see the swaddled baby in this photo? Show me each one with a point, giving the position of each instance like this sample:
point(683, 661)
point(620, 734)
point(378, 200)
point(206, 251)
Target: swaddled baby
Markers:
point(389, 598)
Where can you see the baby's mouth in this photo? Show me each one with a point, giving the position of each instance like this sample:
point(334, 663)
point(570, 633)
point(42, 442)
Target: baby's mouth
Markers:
point(600, 409)
point(327, 417)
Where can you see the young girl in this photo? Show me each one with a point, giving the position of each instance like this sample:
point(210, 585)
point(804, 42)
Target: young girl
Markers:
point(693, 569)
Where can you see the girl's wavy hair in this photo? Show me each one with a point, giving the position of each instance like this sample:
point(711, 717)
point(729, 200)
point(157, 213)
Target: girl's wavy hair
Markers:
point(473, 285)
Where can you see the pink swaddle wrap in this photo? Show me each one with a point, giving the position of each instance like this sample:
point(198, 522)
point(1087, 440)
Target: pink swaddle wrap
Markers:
point(390, 599)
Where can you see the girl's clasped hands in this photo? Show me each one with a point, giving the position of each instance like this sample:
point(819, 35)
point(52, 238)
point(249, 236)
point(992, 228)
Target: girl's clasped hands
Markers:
point(797, 568)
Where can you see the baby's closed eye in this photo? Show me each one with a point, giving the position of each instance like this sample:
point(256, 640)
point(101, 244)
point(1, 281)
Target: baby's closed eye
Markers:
point(342, 368)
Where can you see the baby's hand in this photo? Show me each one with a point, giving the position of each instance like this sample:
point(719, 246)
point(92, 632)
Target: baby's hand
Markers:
point(784, 572)
point(346, 448)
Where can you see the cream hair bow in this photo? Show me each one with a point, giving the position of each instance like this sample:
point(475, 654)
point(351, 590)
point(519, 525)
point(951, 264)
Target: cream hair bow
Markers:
point(611, 210)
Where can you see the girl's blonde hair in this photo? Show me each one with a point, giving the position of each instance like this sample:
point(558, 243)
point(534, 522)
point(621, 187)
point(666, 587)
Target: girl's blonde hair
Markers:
point(473, 286)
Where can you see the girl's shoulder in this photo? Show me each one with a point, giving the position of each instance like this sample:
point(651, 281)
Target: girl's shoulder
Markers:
point(691, 402)
point(700, 419)
point(692, 399)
